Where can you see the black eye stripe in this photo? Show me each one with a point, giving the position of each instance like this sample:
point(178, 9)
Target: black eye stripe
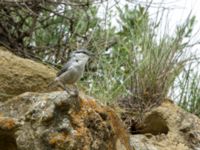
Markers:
point(84, 52)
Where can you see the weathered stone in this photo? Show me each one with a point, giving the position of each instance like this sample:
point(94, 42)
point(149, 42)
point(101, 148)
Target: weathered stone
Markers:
point(19, 75)
point(52, 121)
point(8, 127)
point(168, 127)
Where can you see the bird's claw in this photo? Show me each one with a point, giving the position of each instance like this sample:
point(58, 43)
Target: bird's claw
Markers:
point(73, 93)
point(76, 92)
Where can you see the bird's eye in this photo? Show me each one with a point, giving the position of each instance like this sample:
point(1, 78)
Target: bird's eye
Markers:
point(76, 60)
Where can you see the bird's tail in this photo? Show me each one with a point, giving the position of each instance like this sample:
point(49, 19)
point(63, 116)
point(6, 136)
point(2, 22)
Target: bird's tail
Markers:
point(53, 83)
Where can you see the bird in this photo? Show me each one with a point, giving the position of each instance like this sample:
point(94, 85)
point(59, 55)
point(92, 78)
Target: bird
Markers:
point(73, 69)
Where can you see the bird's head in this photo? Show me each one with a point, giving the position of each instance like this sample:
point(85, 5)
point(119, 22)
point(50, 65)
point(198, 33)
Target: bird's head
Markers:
point(82, 55)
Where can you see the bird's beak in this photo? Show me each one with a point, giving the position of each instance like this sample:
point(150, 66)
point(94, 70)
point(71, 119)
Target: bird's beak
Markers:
point(90, 54)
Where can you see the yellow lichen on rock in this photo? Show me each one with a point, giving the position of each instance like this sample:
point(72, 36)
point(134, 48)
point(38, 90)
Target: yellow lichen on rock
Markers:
point(102, 122)
point(57, 120)
point(7, 123)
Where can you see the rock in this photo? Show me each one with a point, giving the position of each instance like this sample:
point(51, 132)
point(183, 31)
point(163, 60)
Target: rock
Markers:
point(59, 121)
point(141, 142)
point(18, 75)
point(8, 127)
point(168, 127)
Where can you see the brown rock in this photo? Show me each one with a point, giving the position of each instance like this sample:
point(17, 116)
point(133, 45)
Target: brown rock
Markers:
point(8, 127)
point(18, 75)
point(62, 122)
point(168, 127)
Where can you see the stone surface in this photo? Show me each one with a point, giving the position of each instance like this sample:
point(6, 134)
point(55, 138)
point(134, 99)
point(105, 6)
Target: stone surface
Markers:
point(8, 127)
point(168, 127)
point(18, 75)
point(59, 121)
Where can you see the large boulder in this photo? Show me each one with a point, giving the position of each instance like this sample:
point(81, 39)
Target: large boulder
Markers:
point(19, 75)
point(168, 127)
point(56, 120)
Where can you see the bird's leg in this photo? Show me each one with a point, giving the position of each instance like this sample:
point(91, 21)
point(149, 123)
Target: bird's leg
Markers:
point(77, 102)
point(76, 92)
point(63, 87)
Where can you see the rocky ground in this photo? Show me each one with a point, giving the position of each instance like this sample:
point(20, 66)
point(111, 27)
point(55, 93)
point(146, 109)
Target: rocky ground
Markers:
point(33, 117)
point(56, 120)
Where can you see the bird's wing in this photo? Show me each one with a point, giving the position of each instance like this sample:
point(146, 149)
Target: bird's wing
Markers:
point(64, 68)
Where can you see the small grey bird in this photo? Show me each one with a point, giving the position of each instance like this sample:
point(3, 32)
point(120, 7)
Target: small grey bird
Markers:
point(73, 70)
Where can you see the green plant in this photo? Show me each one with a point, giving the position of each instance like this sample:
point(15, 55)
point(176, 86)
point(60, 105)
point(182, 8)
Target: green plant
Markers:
point(141, 67)
point(189, 90)
point(47, 31)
